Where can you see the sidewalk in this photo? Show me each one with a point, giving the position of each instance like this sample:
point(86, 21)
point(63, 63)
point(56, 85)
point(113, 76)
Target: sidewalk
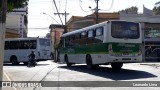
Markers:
point(153, 64)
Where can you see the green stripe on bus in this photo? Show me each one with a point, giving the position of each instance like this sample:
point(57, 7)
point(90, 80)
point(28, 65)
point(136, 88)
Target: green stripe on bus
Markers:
point(102, 48)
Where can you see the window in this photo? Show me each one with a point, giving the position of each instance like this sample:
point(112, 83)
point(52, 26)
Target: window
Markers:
point(72, 37)
point(83, 35)
point(44, 42)
point(7, 45)
point(24, 44)
point(77, 36)
point(99, 35)
point(90, 33)
point(122, 29)
point(14, 44)
point(99, 31)
point(32, 44)
point(67, 41)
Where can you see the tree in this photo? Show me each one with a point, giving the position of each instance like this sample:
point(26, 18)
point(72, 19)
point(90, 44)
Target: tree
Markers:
point(4, 7)
point(11, 4)
point(156, 9)
point(131, 10)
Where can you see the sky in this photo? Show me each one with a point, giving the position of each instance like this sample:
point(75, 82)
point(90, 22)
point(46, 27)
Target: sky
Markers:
point(38, 23)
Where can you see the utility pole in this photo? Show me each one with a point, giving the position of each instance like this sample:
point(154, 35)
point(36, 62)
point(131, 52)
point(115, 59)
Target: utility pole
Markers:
point(96, 11)
point(65, 15)
point(56, 54)
point(3, 9)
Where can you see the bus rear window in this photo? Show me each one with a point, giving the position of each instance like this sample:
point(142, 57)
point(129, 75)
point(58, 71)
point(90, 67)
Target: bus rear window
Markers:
point(44, 42)
point(129, 30)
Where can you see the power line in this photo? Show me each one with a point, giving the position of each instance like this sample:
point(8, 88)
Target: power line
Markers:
point(59, 5)
point(57, 11)
point(51, 17)
point(52, 6)
point(66, 5)
point(80, 5)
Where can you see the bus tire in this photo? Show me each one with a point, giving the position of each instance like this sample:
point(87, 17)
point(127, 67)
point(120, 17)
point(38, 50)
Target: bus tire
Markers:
point(13, 60)
point(89, 62)
point(116, 65)
point(67, 62)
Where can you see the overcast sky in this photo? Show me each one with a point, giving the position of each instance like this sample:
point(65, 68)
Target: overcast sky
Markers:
point(38, 23)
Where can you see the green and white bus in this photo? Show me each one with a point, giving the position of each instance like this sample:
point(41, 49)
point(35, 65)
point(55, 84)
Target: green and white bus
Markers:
point(112, 42)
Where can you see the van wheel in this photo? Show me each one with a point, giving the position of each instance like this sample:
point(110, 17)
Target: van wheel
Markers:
point(116, 66)
point(89, 62)
point(14, 60)
point(67, 62)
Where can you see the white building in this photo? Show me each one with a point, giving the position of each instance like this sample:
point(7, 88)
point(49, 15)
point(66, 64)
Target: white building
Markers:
point(17, 23)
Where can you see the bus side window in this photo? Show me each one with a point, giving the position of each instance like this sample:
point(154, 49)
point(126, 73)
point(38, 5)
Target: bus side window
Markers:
point(26, 44)
point(67, 40)
point(32, 44)
point(90, 33)
point(77, 36)
point(99, 31)
point(99, 35)
point(6, 47)
point(90, 37)
point(72, 37)
point(14, 44)
point(21, 44)
point(83, 34)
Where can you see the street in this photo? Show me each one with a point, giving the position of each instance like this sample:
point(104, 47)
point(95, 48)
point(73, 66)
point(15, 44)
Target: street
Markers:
point(50, 71)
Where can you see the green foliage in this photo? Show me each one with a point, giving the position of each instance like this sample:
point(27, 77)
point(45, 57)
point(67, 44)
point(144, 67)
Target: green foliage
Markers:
point(131, 10)
point(156, 10)
point(157, 3)
point(11, 4)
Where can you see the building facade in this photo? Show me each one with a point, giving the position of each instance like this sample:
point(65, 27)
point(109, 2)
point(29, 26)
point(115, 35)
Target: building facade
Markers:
point(17, 23)
point(147, 19)
point(77, 22)
point(56, 32)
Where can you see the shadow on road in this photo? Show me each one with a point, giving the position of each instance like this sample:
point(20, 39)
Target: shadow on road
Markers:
point(106, 72)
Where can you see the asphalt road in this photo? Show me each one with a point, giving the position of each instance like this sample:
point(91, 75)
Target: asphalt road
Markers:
point(53, 76)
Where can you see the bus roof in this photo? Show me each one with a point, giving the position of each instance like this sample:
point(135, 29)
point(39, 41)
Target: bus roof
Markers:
point(90, 27)
point(83, 29)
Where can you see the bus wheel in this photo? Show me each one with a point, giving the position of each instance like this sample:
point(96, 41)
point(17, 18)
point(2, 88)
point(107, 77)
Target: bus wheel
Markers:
point(67, 62)
point(89, 62)
point(116, 65)
point(14, 60)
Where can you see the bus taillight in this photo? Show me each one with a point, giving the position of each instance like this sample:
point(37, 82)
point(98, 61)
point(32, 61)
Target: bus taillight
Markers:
point(140, 50)
point(110, 50)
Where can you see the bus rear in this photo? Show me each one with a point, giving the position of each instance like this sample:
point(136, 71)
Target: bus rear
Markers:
point(44, 49)
point(125, 42)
